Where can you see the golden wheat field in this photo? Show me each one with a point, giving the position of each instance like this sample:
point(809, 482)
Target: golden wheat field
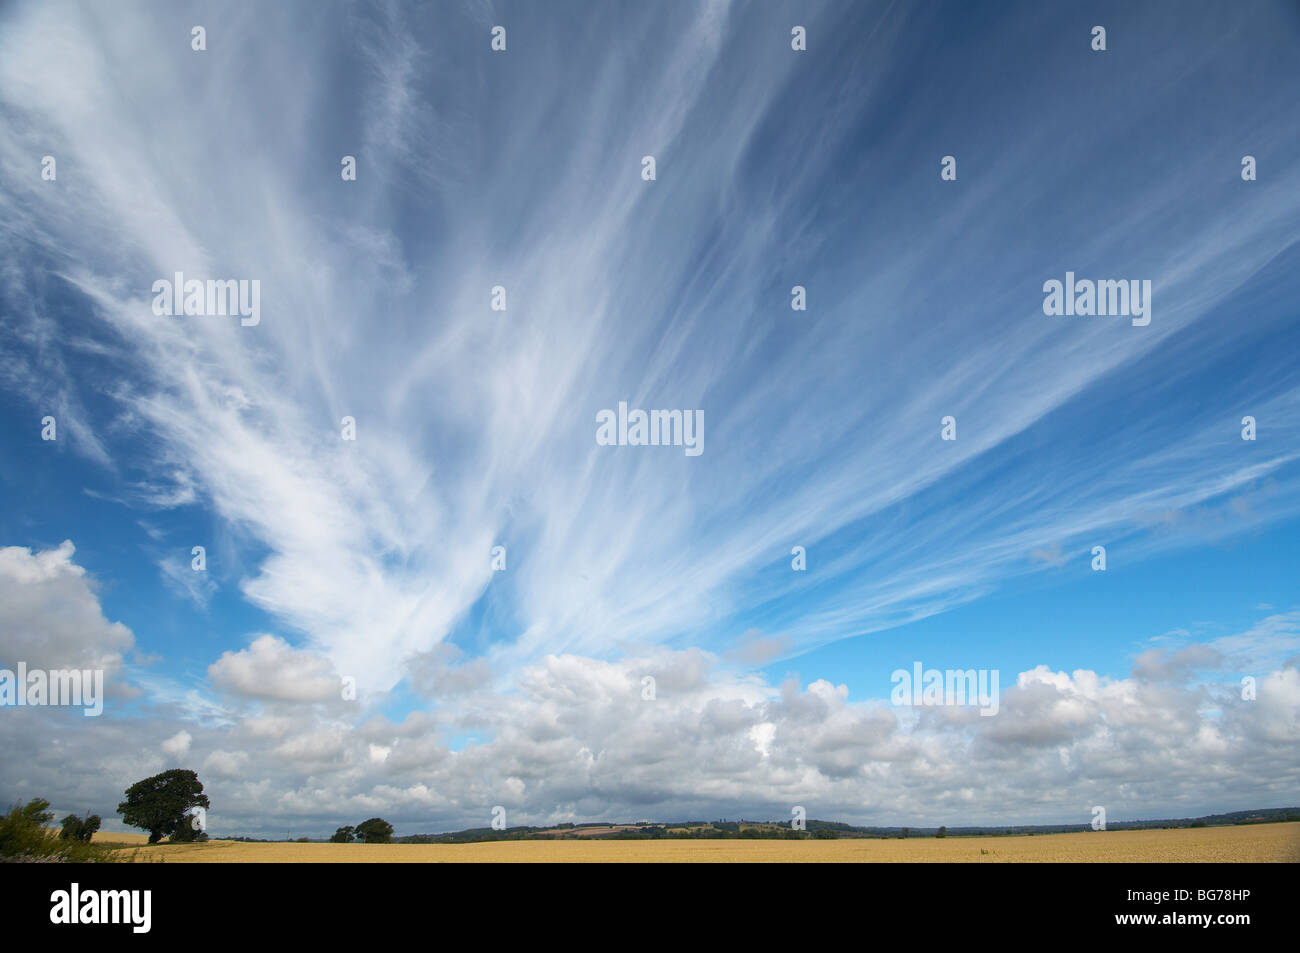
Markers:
point(1278, 843)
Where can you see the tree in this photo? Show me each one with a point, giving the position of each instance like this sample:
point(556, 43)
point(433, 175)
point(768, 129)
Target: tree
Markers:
point(79, 828)
point(188, 831)
point(161, 804)
point(344, 835)
point(942, 832)
point(376, 830)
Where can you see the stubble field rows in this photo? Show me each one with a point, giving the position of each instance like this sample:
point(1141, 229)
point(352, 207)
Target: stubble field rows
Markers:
point(1276, 843)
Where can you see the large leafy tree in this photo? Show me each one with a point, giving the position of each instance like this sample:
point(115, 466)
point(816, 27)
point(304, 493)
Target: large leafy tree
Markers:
point(375, 831)
point(188, 830)
point(344, 835)
point(161, 804)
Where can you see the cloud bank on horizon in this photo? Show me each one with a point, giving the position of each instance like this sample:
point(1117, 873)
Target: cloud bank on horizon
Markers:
point(502, 270)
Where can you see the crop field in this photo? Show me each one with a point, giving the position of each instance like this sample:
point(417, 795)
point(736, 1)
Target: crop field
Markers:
point(1277, 843)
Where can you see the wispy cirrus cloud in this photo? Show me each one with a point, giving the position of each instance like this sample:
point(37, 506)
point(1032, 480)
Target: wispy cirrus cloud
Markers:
point(475, 427)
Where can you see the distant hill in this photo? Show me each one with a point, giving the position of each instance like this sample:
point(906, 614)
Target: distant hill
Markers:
point(777, 830)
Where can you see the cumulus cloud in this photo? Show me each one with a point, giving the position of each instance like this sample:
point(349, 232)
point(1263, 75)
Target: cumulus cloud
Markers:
point(50, 616)
point(574, 737)
point(577, 738)
point(178, 745)
point(755, 648)
point(225, 764)
point(438, 673)
point(272, 669)
point(1164, 663)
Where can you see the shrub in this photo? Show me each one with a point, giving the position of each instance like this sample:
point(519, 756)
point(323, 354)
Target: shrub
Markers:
point(25, 838)
point(80, 828)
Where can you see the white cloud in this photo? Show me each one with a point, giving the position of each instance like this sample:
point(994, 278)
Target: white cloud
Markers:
point(50, 616)
point(573, 737)
point(225, 764)
point(476, 429)
point(472, 433)
point(270, 668)
point(178, 745)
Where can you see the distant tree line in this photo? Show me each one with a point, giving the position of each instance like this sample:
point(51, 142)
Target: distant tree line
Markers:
point(376, 830)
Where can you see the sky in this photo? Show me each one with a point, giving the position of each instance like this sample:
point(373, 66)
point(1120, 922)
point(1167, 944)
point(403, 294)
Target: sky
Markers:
point(503, 268)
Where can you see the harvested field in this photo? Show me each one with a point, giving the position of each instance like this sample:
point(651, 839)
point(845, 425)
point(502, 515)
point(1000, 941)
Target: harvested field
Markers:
point(1276, 843)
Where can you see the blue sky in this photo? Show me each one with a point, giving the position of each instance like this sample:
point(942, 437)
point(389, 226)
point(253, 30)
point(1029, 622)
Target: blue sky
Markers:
point(369, 559)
